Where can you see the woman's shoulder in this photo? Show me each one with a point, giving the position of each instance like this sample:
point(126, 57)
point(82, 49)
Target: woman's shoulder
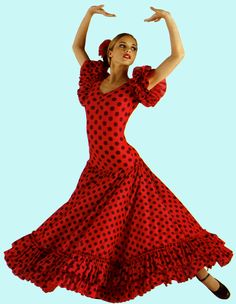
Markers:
point(92, 70)
point(140, 82)
point(92, 65)
point(141, 71)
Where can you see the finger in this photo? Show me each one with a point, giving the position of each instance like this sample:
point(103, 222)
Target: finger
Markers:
point(109, 14)
point(103, 11)
point(149, 19)
point(153, 8)
point(99, 7)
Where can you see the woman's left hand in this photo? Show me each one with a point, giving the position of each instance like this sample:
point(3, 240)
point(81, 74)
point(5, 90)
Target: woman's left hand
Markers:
point(159, 13)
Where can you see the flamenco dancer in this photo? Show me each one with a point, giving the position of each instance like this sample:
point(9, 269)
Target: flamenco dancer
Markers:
point(122, 232)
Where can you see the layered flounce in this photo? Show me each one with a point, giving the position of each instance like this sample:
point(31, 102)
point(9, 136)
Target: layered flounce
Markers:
point(90, 71)
point(139, 81)
point(115, 281)
point(94, 70)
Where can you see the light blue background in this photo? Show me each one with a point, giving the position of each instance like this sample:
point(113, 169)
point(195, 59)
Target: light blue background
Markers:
point(187, 139)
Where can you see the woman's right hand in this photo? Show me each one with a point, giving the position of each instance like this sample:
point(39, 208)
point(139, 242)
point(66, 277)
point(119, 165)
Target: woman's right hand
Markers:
point(97, 9)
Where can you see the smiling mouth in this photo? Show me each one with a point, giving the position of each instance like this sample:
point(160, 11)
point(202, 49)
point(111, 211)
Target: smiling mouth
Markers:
point(126, 56)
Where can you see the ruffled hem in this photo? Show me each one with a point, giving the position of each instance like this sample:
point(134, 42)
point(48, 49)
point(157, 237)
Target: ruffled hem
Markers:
point(115, 281)
point(140, 82)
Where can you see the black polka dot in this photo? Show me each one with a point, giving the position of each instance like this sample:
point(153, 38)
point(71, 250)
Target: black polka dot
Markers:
point(122, 232)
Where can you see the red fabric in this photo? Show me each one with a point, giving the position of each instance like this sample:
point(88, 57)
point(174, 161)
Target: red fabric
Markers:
point(139, 81)
point(93, 71)
point(122, 232)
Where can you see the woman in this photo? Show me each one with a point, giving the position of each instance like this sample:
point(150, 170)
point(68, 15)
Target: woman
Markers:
point(122, 232)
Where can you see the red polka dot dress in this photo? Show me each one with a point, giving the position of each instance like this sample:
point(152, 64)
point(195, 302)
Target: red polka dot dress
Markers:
point(122, 232)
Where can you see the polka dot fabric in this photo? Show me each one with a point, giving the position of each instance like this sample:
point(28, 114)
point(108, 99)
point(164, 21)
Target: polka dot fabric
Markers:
point(122, 232)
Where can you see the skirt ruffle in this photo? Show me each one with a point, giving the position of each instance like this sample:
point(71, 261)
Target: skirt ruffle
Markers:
point(115, 281)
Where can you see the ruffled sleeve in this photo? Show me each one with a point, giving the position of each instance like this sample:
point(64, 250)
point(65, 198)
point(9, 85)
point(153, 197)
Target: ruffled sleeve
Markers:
point(139, 80)
point(90, 71)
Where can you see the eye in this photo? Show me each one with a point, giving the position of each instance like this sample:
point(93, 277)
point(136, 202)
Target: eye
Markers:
point(133, 47)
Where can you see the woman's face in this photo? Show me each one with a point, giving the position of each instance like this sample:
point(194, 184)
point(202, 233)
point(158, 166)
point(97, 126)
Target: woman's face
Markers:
point(126, 45)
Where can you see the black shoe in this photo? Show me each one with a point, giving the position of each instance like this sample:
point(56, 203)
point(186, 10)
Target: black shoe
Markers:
point(222, 292)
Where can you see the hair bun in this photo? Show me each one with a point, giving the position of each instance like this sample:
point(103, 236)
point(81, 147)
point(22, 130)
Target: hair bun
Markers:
point(102, 50)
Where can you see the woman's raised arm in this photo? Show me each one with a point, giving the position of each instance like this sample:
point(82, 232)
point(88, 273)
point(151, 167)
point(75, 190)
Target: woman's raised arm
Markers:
point(177, 50)
point(80, 38)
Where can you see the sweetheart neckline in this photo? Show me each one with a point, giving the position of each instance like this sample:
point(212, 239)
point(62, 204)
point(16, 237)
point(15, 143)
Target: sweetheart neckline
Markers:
point(99, 84)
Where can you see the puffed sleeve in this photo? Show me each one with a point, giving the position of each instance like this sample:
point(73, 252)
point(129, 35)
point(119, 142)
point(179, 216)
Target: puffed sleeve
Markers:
point(90, 71)
point(139, 80)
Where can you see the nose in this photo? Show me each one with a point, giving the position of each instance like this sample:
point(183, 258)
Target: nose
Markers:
point(128, 53)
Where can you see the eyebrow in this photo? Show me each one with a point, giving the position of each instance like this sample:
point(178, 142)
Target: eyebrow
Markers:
point(125, 42)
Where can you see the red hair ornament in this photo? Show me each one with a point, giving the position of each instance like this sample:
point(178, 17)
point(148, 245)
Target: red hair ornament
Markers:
point(102, 51)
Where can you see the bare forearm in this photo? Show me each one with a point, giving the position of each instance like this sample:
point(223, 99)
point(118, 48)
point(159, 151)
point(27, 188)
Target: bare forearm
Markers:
point(177, 49)
point(80, 38)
